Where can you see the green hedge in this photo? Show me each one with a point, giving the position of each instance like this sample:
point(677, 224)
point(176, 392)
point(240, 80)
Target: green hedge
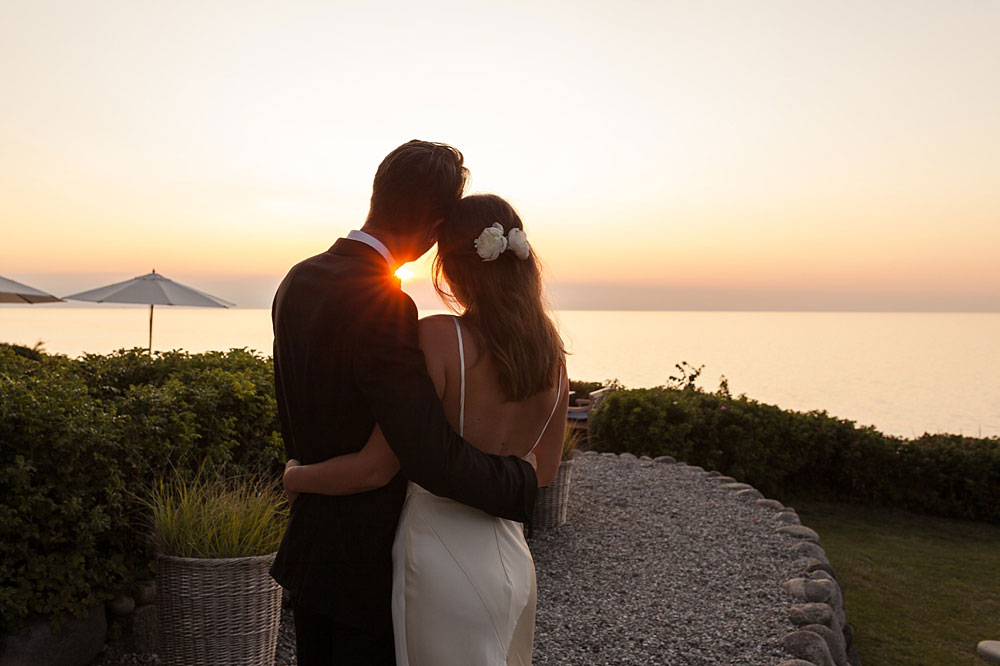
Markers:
point(217, 407)
point(63, 493)
point(785, 453)
point(82, 440)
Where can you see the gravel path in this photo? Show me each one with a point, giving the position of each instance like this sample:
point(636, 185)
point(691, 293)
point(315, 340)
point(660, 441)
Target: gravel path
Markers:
point(657, 565)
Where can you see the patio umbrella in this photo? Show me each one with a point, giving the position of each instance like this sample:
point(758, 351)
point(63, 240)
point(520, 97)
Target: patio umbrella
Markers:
point(152, 289)
point(15, 292)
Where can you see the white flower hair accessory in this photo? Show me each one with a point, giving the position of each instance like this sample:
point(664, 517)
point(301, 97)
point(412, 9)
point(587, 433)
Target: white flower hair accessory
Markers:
point(492, 243)
point(518, 243)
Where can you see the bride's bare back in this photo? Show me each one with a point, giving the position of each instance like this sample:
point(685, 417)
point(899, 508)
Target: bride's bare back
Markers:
point(491, 424)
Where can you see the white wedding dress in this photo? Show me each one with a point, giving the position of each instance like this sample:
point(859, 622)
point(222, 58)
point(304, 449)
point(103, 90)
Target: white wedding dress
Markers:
point(463, 588)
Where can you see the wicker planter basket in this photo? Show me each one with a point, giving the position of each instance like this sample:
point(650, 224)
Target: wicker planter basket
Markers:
point(217, 611)
point(550, 507)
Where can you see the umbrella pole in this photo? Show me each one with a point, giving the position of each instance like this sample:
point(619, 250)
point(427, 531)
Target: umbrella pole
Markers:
point(150, 328)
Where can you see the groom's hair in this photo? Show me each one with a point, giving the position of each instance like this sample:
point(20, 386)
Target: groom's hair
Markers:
point(419, 182)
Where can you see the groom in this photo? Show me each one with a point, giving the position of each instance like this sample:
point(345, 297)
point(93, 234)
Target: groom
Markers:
point(346, 358)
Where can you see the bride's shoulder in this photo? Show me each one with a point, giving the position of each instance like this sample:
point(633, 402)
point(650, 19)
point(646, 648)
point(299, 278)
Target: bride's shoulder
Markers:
point(437, 322)
point(432, 329)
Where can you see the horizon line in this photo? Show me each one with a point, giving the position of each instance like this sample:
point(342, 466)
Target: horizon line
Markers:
point(82, 306)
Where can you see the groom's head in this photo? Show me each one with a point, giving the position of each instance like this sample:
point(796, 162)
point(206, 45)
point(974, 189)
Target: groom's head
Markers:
point(415, 187)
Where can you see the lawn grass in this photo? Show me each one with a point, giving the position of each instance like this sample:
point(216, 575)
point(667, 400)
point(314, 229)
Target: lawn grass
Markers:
point(918, 590)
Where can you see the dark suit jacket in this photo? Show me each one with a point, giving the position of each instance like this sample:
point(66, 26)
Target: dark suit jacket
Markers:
point(346, 357)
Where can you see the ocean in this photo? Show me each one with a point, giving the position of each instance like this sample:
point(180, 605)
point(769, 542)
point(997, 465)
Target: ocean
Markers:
point(905, 373)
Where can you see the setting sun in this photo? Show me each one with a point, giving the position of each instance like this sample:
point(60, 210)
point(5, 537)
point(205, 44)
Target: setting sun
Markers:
point(404, 273)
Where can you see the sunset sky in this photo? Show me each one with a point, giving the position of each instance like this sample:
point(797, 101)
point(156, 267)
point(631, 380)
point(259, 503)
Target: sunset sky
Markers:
point(784, 154)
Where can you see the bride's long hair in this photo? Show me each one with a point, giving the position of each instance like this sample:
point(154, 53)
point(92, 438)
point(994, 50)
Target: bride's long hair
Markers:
point(502, 299)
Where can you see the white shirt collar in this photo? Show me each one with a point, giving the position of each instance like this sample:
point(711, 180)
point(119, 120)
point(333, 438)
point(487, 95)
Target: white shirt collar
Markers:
point(375, 244)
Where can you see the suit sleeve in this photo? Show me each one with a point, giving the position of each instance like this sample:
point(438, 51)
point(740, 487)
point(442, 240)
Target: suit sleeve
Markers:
point(390, 371)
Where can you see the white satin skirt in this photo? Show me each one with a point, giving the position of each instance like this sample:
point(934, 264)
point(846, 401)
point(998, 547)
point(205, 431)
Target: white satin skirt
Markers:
point(463, 589)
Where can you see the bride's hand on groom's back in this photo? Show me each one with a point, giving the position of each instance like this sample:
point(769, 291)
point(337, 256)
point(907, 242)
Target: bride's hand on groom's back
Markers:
point(289, 494)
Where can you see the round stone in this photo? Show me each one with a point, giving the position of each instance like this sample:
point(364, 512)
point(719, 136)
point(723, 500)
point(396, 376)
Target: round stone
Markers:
point(809, 646)
point(811, 613)
point(989, 650)
point(770, 504)
point(810, 549)
point(796, 587)
point(825, 591)
point(800, 531)
point(834, 641)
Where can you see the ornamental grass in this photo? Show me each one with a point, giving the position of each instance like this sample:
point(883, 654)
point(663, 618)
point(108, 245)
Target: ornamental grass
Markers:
point(216, 517)
point(571, 440)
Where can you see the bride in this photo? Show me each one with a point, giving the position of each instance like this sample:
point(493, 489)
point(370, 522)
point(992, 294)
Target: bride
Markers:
point(464, 581)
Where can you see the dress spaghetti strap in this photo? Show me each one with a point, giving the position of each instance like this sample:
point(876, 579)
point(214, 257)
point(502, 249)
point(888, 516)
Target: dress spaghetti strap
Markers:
point(552, 413)
point(461, 363)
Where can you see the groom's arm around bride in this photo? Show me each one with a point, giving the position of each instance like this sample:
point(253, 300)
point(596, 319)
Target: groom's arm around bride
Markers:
point(390, 371)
